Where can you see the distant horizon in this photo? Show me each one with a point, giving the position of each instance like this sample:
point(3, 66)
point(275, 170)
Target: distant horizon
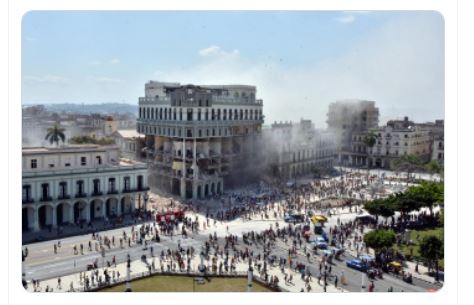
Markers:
point(299, 61)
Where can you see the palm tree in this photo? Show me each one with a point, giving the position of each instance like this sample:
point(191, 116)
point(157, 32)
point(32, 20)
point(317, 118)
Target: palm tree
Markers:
point(55, 134)
point(369, 140)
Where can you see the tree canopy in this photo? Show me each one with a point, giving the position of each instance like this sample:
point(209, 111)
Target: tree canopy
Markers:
point(86, 139)
point(431, 248)
point(380, 239)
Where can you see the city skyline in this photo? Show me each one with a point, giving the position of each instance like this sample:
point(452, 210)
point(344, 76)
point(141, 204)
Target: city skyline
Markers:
point(393, 58)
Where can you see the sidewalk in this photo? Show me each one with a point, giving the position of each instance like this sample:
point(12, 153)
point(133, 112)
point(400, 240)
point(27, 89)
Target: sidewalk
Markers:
point(140, 269)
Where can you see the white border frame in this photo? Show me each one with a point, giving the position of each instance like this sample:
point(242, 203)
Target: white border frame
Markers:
point(18, 295)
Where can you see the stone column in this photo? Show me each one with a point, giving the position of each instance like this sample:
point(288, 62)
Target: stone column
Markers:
point(88, 212)
point(36, 227)
point(119, 207)
point(71, 213)
point(102, 208)
point(54, 217)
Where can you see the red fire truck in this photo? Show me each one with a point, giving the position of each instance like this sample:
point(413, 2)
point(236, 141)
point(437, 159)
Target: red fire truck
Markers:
point(169, 216)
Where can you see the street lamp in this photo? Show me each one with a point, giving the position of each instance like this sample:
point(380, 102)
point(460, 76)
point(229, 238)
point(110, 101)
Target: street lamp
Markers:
point(250, 276)
point(128, 287)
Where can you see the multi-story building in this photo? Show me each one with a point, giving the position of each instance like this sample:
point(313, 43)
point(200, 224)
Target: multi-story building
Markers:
point(399, 138)
point(131, 143)
point(202, 137)
point(347, 117)
point(438, 150)
point(79, 183)
point(297, 149)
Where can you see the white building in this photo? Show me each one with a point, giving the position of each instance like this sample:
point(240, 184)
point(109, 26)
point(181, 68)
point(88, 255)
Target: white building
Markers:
point(130, 142)
point(394, 141)
point(79, 183)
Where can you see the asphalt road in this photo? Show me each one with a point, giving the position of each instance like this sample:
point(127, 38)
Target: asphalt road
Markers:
point(42, 263)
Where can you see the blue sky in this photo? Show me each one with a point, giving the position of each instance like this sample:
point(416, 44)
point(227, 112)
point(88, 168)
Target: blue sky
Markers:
point(302, 59)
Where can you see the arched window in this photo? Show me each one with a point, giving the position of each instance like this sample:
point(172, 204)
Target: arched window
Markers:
point(230, 114)
point(246, 114)
point(241, 116)
point(236, 117)
point(161, 113)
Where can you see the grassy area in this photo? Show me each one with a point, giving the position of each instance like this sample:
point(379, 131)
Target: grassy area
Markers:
point(161, 283)
point(416, 236)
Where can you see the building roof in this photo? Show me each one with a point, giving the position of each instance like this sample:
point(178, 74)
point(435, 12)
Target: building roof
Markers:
point(129, 133)
point(66, 149)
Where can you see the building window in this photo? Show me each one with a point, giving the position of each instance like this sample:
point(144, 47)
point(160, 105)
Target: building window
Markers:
point(99, 160)
point(111, 185)
point(126, 183)
point(26, 195)
point(96, 184)
point(45, 191)
point(51, 165)
point(140, 182)
point(80, 187)
point(67, 164)
point(83, 161)
point(62, 190)
point(34, 163)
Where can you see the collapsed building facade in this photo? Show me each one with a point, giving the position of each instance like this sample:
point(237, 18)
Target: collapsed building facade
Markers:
point(201, 138)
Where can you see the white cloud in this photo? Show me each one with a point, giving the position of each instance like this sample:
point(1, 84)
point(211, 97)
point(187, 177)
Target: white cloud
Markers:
point(400, 66)
point(346, 18)
point(114, 61)
point(106, 80)
point(45, 79)
point(216, 51)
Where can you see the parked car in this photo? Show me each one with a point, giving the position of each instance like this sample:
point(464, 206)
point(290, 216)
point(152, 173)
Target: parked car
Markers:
point(357, 264)
point(320, 243)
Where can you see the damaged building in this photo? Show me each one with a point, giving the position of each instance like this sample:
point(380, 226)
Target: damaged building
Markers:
point(200, 139)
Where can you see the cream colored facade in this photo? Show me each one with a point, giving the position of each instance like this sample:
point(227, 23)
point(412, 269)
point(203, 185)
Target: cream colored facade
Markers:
point(79, 183)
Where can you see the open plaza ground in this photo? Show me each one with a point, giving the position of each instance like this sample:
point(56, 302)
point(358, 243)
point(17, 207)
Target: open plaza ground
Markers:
point(257, 233)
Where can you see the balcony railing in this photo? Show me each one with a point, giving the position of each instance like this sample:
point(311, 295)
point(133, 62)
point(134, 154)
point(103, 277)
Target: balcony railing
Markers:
point(112, 191)
point(81, 195)
point(65, 196)
point(27, 200)
point(98, 193)
point(46, 198)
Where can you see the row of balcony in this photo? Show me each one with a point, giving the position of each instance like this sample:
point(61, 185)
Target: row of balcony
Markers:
point(84, 195)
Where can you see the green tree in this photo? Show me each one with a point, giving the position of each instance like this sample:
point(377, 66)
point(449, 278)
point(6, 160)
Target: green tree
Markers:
point(86, 139)
point(408, 164)
point(369, 140)
point(427, 193)
point(373, 207)
point(405, 203)
point(433, 167)
point(380, 239)
point(432, 249)
point(55, 134)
